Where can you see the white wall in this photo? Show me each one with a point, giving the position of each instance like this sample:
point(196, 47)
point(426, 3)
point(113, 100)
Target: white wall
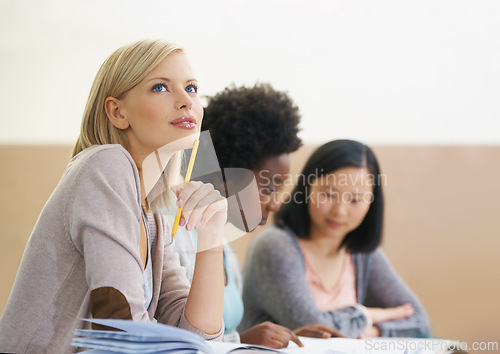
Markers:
point(385, 72)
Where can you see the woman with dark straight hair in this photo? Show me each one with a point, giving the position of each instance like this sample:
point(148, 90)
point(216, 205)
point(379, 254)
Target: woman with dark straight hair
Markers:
point(331, 157)
point(321, 262)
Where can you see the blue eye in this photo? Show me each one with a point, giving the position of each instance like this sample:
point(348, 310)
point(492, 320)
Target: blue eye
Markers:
point(192, 88)
point(159, 88)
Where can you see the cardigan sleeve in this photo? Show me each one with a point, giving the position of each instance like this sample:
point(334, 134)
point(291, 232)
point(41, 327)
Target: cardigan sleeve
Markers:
point(386, 289)
point(276, 289)
point(104, 226)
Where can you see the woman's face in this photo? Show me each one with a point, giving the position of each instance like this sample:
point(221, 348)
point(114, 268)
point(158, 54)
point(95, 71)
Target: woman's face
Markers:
point(338, 201)
point(164, 107)
point(270, 178)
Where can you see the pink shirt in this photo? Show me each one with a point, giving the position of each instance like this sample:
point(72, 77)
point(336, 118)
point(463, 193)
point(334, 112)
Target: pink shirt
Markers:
point(341, 295)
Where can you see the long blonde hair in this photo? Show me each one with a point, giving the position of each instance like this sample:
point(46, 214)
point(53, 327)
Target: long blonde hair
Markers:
point(120, 72)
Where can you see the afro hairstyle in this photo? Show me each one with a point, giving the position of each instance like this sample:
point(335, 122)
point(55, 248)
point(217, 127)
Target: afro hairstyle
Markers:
point(248, 125)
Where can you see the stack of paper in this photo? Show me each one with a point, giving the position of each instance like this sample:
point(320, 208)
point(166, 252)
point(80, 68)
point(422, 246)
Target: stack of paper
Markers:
point(139, 337)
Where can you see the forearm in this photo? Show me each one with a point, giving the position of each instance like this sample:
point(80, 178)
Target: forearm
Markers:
point(205, 301)
point(386, 290)
point(416, 326)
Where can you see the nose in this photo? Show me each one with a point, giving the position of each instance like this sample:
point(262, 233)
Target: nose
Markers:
point(339, 208)
point(273, 205)
point(183, 100)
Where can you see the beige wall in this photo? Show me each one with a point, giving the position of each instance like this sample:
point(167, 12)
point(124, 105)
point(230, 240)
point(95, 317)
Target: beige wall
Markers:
point(441, 230)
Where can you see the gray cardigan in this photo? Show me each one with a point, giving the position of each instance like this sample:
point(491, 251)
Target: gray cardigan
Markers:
point(82, 259)
point(274, 289)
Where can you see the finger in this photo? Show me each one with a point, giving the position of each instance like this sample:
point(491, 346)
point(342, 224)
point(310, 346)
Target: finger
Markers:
point(176, 189)
point(408, 308)
point(219, 205)
point(275, 344)
point(313, 333)
point(396, 313)
point(187, 191)
point(403, 311)
point(295, 339)
point(190, 199)
point(285, 335)
point(329, 330)
point(196, 218)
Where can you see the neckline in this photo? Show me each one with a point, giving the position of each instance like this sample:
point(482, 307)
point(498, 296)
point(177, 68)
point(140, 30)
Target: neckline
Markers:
point(145, 219)
point(317, 277)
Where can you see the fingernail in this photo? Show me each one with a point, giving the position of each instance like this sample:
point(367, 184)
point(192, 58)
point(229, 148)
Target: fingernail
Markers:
point(188, 227)
point(179, 202)
point(202, 222)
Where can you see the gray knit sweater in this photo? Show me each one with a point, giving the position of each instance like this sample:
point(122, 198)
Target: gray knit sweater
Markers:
point(274, 289)
point(82, 259)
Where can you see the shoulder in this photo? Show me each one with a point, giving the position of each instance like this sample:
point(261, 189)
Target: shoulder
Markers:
point(109, 157)
point(103, 171)
point(275, 237)
point(111, 163)
point(371, 264)
point(367, 258)
point(275, 245)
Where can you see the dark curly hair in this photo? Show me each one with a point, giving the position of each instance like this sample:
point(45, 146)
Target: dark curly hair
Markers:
point(248, 125)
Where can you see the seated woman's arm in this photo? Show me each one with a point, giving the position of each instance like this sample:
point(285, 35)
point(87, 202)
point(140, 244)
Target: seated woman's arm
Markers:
point(104, 225)
point(385, 289)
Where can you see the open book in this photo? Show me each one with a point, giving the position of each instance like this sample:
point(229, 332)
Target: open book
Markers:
point(152, 337)
point(147, 337)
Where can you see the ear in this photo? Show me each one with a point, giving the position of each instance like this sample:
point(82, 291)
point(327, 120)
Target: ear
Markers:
point(113, 106)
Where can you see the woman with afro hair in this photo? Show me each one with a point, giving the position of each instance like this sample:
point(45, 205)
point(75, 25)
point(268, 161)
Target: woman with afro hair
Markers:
point(256, 129)
point(252, 128)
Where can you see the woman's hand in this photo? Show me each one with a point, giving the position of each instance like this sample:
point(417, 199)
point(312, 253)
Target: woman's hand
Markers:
point(370, 332)
point(317, 330)
point(203, 208)
point(379, 315)
point(270, 335)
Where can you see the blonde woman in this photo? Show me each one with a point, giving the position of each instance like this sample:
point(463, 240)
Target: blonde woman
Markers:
point(99, 249)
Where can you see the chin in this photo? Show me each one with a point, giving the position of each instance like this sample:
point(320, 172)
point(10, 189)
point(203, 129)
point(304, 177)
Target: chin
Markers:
point(182, 143)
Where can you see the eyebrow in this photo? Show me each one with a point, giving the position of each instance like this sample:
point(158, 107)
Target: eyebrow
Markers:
point(326, 186)
point(168, 80)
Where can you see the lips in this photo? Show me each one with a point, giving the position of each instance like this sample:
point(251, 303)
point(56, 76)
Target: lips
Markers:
point(334, 224)
point(184, 122)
